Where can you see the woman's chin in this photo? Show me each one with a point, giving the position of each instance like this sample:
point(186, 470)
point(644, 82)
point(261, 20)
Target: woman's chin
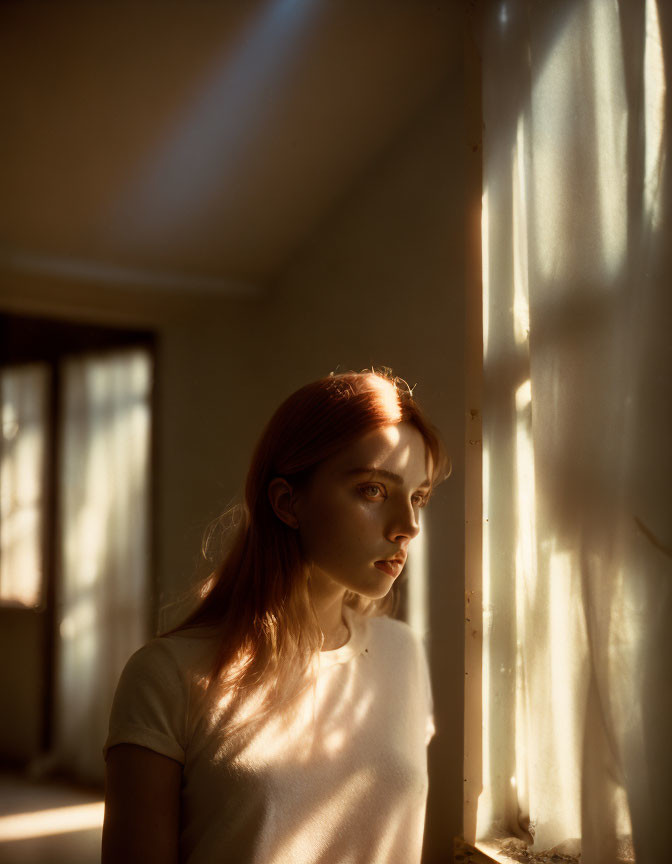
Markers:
point(376, 587)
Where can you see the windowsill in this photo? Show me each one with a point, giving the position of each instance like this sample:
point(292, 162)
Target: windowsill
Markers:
point(465, 853)
point(492, 852)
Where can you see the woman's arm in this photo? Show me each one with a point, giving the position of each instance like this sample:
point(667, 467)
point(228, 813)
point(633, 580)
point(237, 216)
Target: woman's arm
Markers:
point(142, 807)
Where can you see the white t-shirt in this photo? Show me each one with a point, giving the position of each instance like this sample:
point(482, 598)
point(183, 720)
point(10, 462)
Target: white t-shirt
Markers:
point(341, 779)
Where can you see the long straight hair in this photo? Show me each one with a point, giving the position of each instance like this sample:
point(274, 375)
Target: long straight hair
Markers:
point(258, 599)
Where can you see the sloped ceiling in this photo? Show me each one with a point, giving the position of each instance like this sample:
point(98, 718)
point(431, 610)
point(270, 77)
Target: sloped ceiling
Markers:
point(200, 142)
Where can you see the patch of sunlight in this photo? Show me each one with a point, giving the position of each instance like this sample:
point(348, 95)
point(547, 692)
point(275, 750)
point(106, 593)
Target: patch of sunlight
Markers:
point(622, 820)
point(139, 373)
point(525, 492)
point(24, 430)
point(562, 125)
point(611, 129)
point(59, 820)
point(485, 810)
point(567, 656)
point(86, 537)
point(626, 626)
point(521, 781)
point(333, 742)
point(348, 798)
point(626, 623)
point(80, 623)
point(503, 15)
point(418, 598)
point(521, 305)
point(363, 709)
point(654, 115)
point(387, 393)
point(525, 581)
point(524, 396)
point(553, 101)
point(176, 181)
point(485, 270)
point(485, 470)
point(315, 718)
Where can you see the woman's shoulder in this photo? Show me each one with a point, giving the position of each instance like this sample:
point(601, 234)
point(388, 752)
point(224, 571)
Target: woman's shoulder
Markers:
point(184, 653)
point(155, 691)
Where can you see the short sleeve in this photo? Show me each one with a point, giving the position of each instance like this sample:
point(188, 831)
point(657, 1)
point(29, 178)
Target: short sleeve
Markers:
point(150, 703)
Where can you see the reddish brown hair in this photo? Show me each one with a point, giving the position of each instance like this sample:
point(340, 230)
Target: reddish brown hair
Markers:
point(258, 597)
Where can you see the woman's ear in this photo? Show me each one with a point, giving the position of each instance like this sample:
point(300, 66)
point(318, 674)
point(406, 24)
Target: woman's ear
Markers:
point(281, 496)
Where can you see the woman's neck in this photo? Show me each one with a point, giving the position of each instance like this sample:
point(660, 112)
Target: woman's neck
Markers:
point(327, 599)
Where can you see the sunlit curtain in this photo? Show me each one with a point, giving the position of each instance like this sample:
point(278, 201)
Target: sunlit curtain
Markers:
point(103, 584)
point(577, 414)
point(24, 401)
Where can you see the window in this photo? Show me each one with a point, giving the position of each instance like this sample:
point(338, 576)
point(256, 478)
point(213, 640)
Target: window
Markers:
point(23, 392)
point(75, 565)
point(565, 716)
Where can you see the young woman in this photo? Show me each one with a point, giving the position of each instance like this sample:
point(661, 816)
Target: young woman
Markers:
point(286, 720)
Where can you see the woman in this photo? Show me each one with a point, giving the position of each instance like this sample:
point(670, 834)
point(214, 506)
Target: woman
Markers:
point(287, 719)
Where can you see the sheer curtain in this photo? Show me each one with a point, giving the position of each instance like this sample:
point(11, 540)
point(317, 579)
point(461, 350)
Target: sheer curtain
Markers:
point(577, 428)
point(23, 443)
point(104, 562)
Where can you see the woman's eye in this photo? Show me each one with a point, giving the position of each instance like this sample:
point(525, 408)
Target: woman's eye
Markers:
point(372, 491)
point(419, 499)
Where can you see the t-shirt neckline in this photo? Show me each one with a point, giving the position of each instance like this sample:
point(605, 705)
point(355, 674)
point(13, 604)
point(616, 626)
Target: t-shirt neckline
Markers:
point(356, 644)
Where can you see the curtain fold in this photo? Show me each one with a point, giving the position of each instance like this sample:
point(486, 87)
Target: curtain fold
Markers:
point(577, 417)
point(103, 585)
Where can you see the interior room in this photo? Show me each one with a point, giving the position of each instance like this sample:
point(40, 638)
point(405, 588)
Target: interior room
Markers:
point(262, 193)
point(207, 205)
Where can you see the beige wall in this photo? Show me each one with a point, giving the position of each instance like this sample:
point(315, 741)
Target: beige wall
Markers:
point(381, 283)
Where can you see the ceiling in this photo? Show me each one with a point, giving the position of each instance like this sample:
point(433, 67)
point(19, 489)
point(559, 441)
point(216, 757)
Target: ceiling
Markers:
point(200, 142)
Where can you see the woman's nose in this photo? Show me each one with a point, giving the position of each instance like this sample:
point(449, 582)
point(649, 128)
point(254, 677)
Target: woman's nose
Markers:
point(404, 524)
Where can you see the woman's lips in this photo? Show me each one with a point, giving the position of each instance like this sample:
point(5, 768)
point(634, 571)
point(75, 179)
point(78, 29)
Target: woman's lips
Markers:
point(393, 568)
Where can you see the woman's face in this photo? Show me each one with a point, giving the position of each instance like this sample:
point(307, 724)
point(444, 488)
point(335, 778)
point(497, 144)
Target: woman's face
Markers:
point(359, 511)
